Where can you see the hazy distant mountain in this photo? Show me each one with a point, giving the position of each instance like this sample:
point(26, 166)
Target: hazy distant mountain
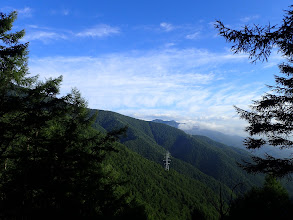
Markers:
point(199, 167)
point(237, 141)
point(230, 140)
point(170, 123)
point(209, 159)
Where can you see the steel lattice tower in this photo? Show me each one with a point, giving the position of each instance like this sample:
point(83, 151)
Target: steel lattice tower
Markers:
point(167, 160)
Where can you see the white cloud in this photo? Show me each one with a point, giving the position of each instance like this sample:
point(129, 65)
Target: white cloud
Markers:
point(275, 59)
point(228, 125)
point(48, 35)
point(170, 83)
point(211, 24)
point(101, 30)
point(26, 12)
point(166, 26)
point(64, 12)
point(249, 18)
point(33, 26)
point(44, 36)
point(168, 45)
point(193, 36)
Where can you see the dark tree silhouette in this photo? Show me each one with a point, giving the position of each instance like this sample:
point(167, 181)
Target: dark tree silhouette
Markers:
point(51, 159)
point(271, 118)
point(268, 202)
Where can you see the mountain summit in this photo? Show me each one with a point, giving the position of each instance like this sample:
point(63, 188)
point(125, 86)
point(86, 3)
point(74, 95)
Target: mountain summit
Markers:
point(171, 123)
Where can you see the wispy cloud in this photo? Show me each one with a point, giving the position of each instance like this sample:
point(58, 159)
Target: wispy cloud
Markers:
point(168, 45)
point(64, 12)
point(48, 35)
point(275, 59)
point(44, 36)
point(179, 84)
point(167, 26)
point(102, 30)
point(193, 36)
point(249, 18)
point(26, 12)
point(22, 12)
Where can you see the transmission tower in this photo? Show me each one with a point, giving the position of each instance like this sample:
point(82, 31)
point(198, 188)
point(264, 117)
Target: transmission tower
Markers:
point(167, 160)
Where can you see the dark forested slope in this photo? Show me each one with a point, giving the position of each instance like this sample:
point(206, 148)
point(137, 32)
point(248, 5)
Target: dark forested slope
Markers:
point(200, 168)
point(164, 194)
point(207, 160)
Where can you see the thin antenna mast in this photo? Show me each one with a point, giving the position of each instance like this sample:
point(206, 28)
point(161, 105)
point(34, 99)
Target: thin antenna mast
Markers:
point(167, 160)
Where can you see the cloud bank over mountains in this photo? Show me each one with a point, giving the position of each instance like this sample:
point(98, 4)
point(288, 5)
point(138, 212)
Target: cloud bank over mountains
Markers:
point(190, 86)
point(160, 66)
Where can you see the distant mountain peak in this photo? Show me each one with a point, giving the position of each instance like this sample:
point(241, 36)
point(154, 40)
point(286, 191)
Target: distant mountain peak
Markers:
point(171, 123)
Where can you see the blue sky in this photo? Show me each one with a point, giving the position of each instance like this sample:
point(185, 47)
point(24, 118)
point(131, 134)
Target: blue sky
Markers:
point(150, 59)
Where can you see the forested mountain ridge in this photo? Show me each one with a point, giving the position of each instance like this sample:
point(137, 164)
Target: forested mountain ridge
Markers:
point(58, 159)
point(229, 140)
point(206, 160)
point(171, 123)
point(165, 195)
point(198, 165)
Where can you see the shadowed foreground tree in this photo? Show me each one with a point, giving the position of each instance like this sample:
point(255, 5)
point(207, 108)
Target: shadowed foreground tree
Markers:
point(51, 159)
point(271, 118)
point(269, 202)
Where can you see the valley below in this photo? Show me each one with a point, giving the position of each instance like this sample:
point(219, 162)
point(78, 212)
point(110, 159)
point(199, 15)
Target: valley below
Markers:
point(203, 172)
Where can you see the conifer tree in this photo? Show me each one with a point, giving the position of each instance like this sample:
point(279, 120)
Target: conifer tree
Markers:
point(270, 118)
point(51, 159)
point(268, 202)
point(13, 71)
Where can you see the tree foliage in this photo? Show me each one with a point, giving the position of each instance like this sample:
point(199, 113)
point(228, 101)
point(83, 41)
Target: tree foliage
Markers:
point(271, 118)
point(214, 160)
point(165, 195)
point(51, 158)
point(268, 202)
